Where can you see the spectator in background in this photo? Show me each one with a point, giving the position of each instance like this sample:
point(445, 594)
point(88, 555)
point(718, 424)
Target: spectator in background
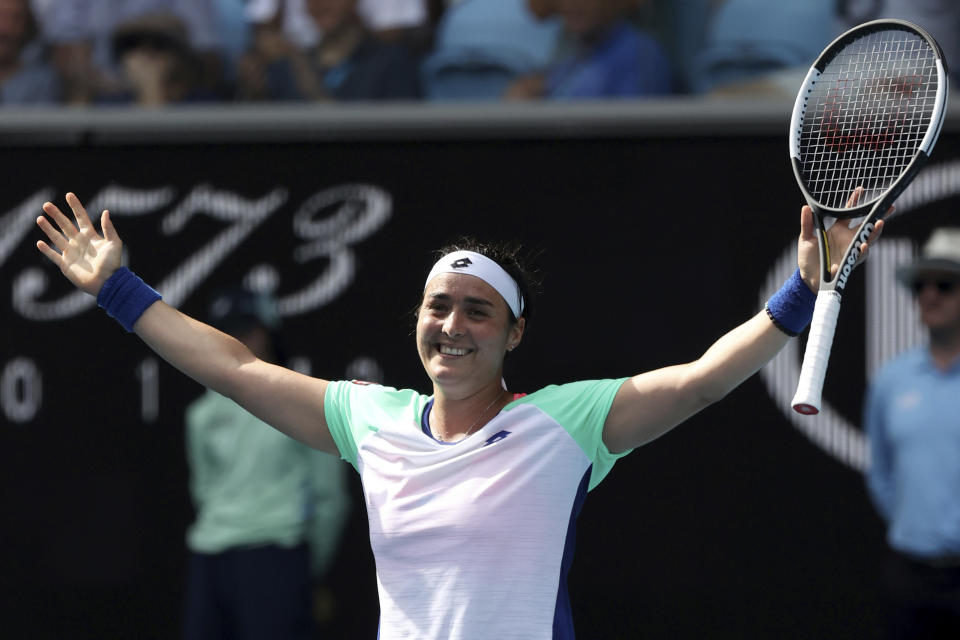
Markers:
point(481, 46)
point(275, 63)
point(70, 28)
point(941, 18)
point(233, 35)
point(202, 29)
point(290, 17)
point(81, 80)
point(760, 47)
point(911, 420)
point(405, 21)
point(81, 33)
point(158, 66)
point(348, 64)
point(602, 55)
point(269, 510)
point(681, 27)
point(26, 77)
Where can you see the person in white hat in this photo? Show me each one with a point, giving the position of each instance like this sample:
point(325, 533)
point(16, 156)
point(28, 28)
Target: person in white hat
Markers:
point(911, 419)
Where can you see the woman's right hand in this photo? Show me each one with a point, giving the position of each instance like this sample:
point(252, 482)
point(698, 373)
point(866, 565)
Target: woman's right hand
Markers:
point(85, 257)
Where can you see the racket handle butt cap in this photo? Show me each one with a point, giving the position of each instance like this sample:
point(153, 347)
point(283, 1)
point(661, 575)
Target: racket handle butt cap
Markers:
point(806, 409)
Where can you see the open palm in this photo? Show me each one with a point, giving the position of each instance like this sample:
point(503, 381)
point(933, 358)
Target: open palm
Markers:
point(85, 257)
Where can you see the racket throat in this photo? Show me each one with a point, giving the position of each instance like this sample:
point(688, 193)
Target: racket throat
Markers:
point(825, 249)
point(853, 255)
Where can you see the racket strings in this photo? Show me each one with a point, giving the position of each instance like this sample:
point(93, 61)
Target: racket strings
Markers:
point(867, 115)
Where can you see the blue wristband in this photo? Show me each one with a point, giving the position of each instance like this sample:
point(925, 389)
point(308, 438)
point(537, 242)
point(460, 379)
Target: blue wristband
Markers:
point(791, 308)
point(124, 296)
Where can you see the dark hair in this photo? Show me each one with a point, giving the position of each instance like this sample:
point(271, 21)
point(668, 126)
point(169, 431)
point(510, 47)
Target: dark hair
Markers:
point(236, 310)
point(161, 31)
point(509, 255)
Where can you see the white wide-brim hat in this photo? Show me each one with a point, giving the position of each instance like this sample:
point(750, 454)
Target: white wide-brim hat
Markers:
point(940, 254)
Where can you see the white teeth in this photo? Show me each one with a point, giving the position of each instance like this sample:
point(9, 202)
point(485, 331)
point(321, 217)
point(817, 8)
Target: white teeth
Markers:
point(452, 351)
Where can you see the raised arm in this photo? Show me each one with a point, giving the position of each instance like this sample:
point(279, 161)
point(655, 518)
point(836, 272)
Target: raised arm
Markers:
point(650, 404)
point(288, 401)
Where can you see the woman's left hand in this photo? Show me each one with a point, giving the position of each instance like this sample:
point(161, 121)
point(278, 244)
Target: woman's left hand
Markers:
point(839, 237)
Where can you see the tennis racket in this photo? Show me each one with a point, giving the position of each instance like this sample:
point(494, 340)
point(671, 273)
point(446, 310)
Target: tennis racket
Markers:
point(867, 116)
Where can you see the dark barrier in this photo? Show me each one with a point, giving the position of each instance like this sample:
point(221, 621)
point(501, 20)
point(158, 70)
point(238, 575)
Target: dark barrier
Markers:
point(745, 522)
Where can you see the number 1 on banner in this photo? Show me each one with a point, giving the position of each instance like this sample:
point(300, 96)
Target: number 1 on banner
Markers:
point(148, 372)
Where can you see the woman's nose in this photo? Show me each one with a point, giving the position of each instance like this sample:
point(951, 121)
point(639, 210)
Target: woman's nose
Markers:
point(452, 325)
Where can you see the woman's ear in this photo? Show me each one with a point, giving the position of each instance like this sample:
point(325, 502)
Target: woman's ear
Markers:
point(516, 333)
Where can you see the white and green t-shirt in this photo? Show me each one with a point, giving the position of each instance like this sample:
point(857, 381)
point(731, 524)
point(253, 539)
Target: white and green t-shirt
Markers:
point(473, 539)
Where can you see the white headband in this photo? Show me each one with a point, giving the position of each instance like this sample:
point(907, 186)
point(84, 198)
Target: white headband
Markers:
point(481, 266)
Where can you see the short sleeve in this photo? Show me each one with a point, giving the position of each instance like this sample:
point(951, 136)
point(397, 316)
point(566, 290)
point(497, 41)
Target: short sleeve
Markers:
point(354, 410)
point(581, 408)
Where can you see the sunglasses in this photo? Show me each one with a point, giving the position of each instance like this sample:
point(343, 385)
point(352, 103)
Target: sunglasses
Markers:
point(943, 286)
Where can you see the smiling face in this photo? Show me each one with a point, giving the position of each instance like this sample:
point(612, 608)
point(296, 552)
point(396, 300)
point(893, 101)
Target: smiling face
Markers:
point(463, 332)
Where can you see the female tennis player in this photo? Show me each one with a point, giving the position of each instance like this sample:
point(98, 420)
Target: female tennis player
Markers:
point(472, 492)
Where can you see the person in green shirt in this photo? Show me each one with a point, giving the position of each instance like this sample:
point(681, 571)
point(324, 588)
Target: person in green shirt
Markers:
point(269, 510)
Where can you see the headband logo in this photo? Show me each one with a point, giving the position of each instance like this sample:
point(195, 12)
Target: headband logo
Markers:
point(461, 263)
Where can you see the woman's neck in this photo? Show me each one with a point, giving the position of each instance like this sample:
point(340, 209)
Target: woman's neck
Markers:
point(453, 419)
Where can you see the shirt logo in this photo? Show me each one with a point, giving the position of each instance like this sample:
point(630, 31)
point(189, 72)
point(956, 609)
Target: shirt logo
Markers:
point(461, 263)
point(500, 435)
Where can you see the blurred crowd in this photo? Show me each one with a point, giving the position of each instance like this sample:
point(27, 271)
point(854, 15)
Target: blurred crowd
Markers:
point(160, 52)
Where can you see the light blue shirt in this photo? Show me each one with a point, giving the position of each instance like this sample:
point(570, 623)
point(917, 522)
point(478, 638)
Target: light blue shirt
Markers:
point(912, 418)
point(35, 82)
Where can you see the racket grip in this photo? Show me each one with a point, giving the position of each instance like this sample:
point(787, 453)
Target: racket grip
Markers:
point(813, 371)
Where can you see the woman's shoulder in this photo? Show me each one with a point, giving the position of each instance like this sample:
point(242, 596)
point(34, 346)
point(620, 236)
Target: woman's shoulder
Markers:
point(371, 387)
